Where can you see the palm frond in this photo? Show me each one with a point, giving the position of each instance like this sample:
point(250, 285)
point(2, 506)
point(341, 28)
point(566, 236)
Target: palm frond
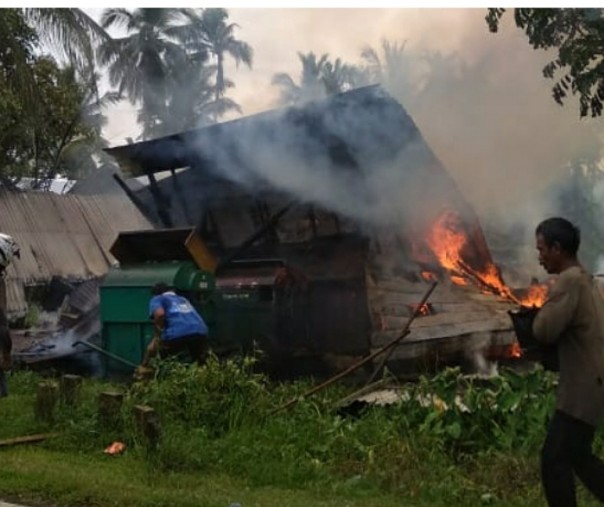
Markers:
point(71, 31)
point(117, 18)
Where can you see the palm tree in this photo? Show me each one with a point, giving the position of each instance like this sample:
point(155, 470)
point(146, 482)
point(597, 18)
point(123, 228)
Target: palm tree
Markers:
point(392, 69)
point(139, 63)
point(219, 38)
point(192, 102)
point(73, 32)
point(340, 77)
point(69, 31)
point(310, 87)
point(319, 77)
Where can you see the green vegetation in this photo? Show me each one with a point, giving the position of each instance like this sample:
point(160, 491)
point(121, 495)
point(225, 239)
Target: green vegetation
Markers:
point(576, 34)
point(450, 440)
point(170, 65)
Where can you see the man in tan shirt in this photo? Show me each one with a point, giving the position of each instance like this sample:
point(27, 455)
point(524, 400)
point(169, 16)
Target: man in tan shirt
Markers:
point(573, 319)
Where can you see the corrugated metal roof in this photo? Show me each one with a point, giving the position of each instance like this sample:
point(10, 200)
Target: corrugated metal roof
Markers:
point(62, 235)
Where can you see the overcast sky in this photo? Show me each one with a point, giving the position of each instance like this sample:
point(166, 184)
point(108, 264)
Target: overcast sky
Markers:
point(486, 109)
point(277, 34)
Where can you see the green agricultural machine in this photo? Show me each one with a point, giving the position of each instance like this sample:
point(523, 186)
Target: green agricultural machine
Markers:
point(249, 303)
point(176, 257)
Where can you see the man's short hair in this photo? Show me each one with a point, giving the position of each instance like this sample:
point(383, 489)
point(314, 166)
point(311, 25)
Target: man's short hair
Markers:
point(561, 231)
point(160, 288)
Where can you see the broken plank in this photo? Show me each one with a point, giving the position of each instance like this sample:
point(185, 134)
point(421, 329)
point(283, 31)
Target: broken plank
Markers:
point(404, 298)
point(394, 322)
point(379, 338)
point(401, 285)
point(466, 344)
point(399, 310)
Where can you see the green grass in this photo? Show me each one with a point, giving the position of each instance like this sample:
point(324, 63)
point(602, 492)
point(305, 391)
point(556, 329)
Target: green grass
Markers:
point(70, 479)
point(221, 445)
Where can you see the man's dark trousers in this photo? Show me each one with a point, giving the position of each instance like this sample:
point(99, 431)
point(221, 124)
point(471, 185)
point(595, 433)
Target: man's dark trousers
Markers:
point(567, 451)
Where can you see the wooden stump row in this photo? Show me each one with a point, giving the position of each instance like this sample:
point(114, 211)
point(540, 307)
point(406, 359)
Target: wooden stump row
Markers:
point(68, 390)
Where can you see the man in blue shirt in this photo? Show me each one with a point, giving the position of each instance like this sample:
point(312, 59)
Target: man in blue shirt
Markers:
point(178, 326)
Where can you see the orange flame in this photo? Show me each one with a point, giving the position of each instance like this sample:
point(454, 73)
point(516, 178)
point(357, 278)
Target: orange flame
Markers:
point(424, 309)
point(459, 280)
point(429, 277)
point(446, 239)
point(514, 350)
point(536, 295)
point(446, 242)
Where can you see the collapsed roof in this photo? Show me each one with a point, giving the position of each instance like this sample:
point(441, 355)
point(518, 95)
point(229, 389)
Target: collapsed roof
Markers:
point(357, 154)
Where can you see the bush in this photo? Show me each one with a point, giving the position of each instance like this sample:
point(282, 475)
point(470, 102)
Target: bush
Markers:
point(449, 436)
point(219, 396)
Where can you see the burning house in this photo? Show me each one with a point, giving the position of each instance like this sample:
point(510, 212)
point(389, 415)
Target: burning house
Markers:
point(347, 191)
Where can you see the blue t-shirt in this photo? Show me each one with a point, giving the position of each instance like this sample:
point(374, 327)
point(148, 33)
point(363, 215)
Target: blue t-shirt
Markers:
point(181, 319)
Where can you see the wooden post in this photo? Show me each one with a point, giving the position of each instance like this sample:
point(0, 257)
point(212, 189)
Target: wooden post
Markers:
point(147, 424)
point(46, 400)
point(71, 386)
point(110, 406)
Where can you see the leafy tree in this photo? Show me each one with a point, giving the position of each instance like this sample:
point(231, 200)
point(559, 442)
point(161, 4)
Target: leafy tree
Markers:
point(578, 37)
point(83, 152)
point(38, 128)
point(42, 106)
point(17, 43)
point(58, 123)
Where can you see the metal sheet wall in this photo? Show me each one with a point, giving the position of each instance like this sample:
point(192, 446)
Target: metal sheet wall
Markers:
point(62, 235)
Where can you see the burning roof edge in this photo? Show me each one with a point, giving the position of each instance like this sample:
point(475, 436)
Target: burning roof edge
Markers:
point(177, 150)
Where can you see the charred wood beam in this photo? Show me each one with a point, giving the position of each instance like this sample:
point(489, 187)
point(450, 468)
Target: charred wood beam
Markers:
point(161, 201)
point(271, 232)
point(254, 237)
point(208, 230)
point(181, 195)
point(337, 223)
point(215, 228)
point(312, 217)
point(478, 278)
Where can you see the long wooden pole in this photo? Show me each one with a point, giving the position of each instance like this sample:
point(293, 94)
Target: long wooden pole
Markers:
point(415, 313)
point(360, 363)
point(30, 439)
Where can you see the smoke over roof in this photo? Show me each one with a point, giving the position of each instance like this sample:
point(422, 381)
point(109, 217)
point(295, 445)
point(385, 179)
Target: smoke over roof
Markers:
point(357, 153)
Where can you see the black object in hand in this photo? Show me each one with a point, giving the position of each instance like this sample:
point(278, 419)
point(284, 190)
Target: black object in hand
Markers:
point(547, 355)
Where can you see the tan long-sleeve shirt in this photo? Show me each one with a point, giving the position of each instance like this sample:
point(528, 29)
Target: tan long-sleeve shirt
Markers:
point(573, 318)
